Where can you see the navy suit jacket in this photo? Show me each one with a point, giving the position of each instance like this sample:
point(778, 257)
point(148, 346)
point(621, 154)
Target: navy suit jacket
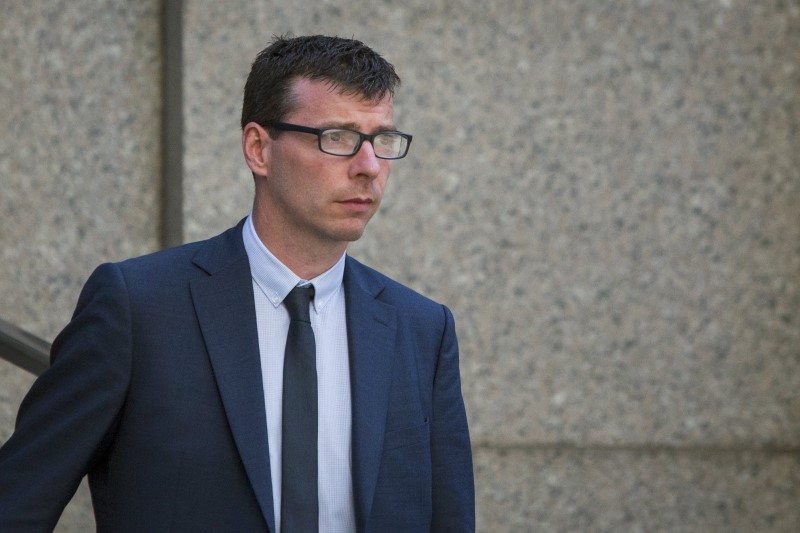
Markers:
point(155, 392)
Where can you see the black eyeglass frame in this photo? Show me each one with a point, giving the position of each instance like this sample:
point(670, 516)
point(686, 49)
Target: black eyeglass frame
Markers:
point(285, 126)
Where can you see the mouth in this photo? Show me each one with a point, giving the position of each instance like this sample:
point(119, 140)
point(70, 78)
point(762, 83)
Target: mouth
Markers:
point(358, 204)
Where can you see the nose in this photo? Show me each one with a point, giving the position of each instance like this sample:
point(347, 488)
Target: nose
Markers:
point(365, 163)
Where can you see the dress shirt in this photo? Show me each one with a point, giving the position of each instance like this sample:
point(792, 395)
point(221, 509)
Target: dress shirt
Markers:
point(272, 281)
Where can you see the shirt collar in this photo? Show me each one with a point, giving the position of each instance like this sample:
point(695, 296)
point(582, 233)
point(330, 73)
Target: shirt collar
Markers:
point(276, 279)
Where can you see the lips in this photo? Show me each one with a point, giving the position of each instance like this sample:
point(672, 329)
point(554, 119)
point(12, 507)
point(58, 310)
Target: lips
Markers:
point(358, 204)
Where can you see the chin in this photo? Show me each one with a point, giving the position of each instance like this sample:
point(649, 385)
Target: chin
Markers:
point(350, 231)
point(352, 237)
point(350, 234)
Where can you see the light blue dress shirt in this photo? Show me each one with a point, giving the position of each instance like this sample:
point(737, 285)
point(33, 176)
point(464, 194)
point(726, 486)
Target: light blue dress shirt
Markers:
point(272, 281)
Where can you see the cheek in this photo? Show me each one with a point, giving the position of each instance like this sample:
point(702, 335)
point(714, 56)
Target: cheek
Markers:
point(381, 181)
point(306, 182)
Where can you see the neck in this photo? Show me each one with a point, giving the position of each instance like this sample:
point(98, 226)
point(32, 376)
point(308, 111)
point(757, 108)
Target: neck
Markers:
point(305, 260)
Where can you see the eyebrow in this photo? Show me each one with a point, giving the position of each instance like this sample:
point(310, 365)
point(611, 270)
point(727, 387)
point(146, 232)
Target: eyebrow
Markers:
point(354, 126)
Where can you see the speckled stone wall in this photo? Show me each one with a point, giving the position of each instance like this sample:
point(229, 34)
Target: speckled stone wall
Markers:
point(605, 193)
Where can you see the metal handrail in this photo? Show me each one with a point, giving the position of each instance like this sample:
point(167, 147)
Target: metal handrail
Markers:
point(23, 349)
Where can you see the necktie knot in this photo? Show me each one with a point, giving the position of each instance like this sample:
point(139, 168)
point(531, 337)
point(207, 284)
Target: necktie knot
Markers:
point(297, 301)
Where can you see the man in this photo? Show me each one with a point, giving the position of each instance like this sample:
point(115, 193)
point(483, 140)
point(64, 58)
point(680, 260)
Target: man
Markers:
point(178, 388)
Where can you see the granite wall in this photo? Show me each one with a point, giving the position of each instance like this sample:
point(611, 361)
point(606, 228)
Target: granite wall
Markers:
point(605, 193)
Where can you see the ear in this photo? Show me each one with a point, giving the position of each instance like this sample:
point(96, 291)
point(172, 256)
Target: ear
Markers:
point(255, 141)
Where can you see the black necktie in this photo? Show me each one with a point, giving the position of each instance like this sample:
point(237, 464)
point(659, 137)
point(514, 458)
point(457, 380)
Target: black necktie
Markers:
point(299, 507)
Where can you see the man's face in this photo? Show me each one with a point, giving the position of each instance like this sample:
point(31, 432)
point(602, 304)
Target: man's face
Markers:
point(318, 199)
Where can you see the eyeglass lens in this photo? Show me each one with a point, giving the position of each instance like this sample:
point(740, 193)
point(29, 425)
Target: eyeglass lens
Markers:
point(346, 142)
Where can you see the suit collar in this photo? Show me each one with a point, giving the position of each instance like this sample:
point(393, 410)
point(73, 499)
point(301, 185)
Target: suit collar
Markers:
point(222, 251)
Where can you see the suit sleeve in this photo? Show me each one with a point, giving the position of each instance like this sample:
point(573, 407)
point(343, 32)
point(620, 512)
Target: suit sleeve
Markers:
point(67, 418)
point(451, 454)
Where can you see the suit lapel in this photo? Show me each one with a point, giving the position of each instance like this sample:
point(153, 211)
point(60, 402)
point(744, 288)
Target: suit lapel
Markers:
point(371, 334)
point(226, 313)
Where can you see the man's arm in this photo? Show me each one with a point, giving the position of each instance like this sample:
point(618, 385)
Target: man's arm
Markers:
point(451, 454)
point(65, 421)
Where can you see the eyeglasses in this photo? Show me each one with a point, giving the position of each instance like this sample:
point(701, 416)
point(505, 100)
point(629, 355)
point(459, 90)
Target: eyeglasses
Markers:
point(344, 142)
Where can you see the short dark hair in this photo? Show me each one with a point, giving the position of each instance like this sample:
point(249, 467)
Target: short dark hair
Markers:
point(349, 65)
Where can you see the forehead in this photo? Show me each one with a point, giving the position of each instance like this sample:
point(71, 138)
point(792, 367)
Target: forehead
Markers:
point(320, 101)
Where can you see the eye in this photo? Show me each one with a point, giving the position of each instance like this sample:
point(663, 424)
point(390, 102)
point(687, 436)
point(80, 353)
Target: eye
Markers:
point(339, 137)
